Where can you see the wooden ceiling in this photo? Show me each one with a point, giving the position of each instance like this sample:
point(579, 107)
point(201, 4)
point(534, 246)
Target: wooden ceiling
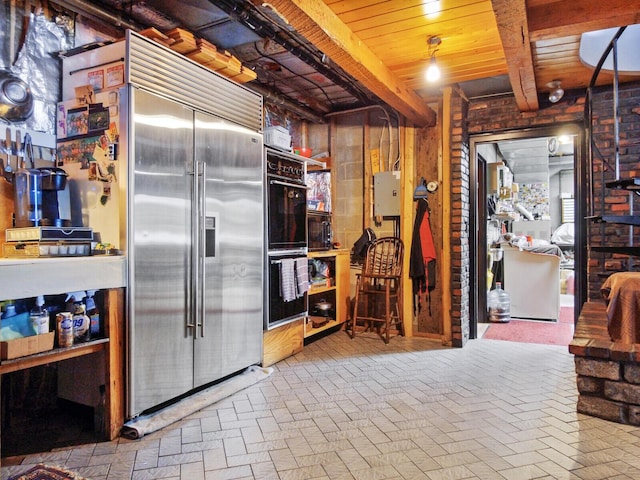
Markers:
point(383, 43)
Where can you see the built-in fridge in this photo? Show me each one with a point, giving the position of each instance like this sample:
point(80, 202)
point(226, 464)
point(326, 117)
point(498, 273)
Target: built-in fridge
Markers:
point(188, 183)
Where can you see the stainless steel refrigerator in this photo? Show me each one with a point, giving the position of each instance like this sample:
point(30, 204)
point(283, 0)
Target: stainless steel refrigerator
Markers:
point(196, 249)
point(186, 204)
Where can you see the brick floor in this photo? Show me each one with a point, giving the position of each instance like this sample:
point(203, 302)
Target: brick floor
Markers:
point(360, 409)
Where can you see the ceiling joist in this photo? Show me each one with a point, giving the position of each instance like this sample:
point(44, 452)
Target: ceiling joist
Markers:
point(511, 18)
point(549, 20)
point(316, 22)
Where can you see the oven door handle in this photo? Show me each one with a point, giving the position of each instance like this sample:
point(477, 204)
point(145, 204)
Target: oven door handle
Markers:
point(285, 184)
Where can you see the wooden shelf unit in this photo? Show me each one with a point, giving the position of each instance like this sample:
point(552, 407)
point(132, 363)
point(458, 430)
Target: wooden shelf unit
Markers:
point(26, 278)
point(337, 292)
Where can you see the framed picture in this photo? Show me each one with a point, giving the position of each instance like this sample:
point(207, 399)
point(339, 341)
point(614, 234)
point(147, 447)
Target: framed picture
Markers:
point(77, 121)
point(98, 118)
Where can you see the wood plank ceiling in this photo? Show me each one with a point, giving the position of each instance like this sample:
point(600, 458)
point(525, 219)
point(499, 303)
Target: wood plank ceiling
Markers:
point(534, 42)
point(330, 55)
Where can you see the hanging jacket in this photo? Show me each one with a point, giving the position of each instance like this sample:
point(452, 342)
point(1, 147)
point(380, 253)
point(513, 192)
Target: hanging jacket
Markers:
point(422, 262)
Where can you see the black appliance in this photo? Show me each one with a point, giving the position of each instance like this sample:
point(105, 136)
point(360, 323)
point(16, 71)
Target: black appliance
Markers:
point(286, 202)
point(319, 231)
point(56, 203)
point(286, 232)
point(280, 309)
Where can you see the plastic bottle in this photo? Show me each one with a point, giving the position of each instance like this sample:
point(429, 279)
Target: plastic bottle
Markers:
point(64, 329)
point(39, 317)
point(499, 305)
point(94, 315)
point(9, 309)
point(79, 317)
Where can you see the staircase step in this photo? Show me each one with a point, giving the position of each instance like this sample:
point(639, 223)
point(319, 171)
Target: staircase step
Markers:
point(632, 183)
point(635, 251)
point(622, 219)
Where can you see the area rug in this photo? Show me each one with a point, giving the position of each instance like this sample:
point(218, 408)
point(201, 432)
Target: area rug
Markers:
point(145, 424)
point(566, 315)
point(47, 472)
point(528, 331)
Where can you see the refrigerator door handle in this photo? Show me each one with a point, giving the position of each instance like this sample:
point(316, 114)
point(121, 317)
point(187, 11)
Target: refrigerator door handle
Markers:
point(191, 318)
point(202, 240)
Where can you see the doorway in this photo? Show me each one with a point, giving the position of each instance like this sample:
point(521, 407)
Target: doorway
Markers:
point(527, 186)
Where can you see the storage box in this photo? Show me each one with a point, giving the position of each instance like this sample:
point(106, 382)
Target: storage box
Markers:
point(21, 347)
point(277, 137)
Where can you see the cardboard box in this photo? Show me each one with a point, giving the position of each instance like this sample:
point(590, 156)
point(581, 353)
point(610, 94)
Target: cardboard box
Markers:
point(21, 347)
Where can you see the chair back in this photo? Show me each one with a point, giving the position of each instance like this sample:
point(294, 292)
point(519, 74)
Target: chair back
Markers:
point(384, 258)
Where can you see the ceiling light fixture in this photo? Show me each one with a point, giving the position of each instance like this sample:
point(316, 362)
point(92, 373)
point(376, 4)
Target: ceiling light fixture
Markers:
point(556, 92)
point(433, 71)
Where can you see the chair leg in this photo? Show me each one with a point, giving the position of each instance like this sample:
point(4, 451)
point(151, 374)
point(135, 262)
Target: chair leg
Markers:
point(354, 314)
point(398, 311)
point(387, 313)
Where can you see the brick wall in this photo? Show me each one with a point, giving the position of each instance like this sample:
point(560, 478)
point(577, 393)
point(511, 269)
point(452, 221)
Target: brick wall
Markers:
point(460, 212)
point(614, 202)
point(475, 117)
point(495, 114)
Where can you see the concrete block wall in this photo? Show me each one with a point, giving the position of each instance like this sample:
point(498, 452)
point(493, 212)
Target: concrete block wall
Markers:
point(344, 138)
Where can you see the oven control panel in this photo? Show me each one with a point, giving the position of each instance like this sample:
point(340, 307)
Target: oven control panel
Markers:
point(285, 167)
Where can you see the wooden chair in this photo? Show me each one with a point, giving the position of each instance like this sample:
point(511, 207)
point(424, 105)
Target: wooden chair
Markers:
point(378, 297)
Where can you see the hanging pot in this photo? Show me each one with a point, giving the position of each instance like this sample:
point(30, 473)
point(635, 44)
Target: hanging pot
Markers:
point(16, 100)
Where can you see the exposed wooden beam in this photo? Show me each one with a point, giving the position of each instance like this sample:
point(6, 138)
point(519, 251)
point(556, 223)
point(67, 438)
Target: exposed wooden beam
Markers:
point(549, 20)
point(318, 24)
point(511, 18)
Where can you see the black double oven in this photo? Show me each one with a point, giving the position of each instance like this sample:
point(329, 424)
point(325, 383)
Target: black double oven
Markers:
point(286, 230)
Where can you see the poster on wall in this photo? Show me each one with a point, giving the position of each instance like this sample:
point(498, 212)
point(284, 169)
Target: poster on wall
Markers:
point(319, 191)
point(534, 197)
point(96, 79)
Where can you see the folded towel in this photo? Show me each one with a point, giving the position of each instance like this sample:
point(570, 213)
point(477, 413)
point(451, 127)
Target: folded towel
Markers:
point(287, 279)
point(302, 276)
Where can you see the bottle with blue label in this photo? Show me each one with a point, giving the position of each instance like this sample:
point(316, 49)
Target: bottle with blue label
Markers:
point(79, 317)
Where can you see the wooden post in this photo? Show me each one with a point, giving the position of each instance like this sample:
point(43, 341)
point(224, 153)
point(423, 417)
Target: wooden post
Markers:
point(114, 318)
point(407, 150)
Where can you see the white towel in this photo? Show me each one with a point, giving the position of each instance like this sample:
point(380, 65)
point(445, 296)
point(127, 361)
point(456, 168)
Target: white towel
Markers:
point(287, 279)
point(302, 276)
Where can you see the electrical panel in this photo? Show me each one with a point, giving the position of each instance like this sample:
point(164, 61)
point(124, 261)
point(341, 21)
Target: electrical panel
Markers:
point(386, 194)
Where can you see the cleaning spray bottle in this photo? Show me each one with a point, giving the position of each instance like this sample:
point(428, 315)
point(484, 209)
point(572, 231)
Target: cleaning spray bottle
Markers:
point(79, 316)
point(94, 315)
point(39, 316)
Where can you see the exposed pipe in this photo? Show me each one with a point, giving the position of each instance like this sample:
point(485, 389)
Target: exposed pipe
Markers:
point(99, 13)
point(388, 119)
point(276, 99)
point(247, 17)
